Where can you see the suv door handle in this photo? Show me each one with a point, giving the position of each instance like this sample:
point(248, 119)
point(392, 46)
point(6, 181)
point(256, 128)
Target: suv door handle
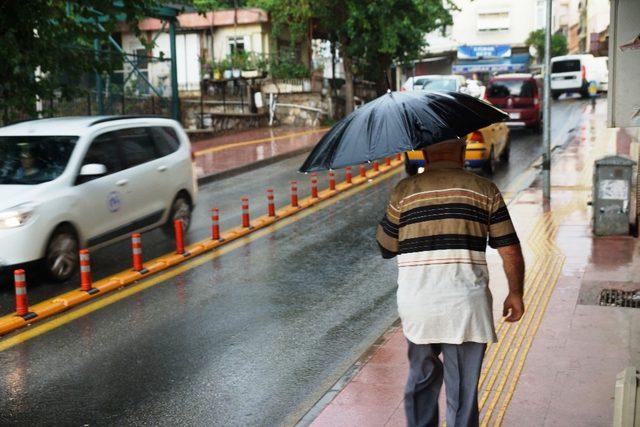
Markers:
point(162, 168)
point(122, 182)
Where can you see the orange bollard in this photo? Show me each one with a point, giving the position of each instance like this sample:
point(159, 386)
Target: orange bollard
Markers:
point(245, 213)
point(399, 156)
point(387, 161)
point(376, 166)
point(363, 171)
point(22, 305)
point(136, 249)
point(86, 284)
point(271, 207)
point(332, 180)
point(314, 185)
point(347, 175)
point(179, 232)
point(215, 224)
point(294, 194)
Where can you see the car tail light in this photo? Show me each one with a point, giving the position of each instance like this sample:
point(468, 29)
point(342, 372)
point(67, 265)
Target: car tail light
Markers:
point(536, 101)
point(475, 137)
point(583, 69)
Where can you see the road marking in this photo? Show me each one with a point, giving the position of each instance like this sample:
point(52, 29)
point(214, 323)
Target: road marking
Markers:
point(257, 141)
point(109, 299)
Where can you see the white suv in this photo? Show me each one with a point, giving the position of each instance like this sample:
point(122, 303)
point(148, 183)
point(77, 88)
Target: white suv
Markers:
point(74, 182)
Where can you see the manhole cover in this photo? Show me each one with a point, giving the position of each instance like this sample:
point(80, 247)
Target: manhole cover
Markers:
point(618, 298)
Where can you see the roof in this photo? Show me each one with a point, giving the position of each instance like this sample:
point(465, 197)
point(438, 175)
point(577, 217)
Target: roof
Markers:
point(75, 125)
point(219, 18)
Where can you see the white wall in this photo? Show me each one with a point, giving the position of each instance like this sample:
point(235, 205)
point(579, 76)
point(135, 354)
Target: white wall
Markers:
point(516, 17)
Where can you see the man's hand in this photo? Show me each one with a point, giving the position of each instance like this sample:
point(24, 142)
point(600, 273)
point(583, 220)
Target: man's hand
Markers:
point(513, 308)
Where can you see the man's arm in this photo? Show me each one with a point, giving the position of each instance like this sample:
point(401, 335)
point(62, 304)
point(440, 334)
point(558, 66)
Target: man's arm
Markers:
point(513, 264)
point(389, 227)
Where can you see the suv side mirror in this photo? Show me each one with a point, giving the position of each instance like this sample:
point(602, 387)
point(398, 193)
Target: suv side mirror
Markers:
point(93, 170)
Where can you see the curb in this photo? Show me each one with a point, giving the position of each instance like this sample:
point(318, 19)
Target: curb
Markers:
point(63, 302)
point(251, 166)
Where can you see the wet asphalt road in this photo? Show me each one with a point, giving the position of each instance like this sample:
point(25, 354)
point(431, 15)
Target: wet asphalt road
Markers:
point(252, 337)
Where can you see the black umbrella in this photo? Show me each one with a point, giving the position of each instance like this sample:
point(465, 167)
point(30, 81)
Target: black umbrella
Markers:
point(399, 122)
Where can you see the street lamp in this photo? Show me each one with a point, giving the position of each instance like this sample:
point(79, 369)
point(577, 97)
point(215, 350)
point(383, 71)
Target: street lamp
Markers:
point(546, 113)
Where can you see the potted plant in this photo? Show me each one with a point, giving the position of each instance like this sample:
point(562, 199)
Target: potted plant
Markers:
point(250, 69)
point(238, 61)
point(225, 65)
point(217, 70)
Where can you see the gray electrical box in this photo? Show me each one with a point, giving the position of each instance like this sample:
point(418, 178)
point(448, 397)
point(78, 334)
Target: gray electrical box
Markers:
point(612, 180)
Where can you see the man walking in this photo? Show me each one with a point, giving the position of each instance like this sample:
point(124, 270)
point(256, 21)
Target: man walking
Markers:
point(437, 224)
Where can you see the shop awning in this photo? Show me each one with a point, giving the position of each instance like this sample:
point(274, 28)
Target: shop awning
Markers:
point(513, 64)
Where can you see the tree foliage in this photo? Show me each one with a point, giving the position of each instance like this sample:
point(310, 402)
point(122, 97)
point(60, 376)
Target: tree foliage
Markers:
point(371, 35)
point(558, 43)
point(48, 45)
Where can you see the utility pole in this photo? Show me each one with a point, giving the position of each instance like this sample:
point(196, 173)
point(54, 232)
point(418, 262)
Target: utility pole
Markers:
point(546, 117)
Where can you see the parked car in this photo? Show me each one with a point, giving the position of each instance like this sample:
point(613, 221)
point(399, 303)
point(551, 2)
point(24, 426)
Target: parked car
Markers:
point(414, 83)
point(571, 74)
point(519, 95)
point(485, 149)
point(435, 82)
point(85, 182)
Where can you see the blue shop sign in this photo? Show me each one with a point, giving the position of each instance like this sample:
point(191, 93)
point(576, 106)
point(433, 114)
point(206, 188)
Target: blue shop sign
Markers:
point(484, 51)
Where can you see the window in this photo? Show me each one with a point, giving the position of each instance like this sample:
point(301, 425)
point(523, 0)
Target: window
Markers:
point(104, 150)
point(236, 44)
point(30, 160)
point(166, 140)
point(493, 21)
point(137, 146)
point(440, 84)
point(568, 66)
point(505, 88)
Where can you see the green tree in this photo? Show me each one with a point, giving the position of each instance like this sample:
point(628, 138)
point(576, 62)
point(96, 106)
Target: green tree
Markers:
point(558, 43)
point(48, 45)
point(371, 35)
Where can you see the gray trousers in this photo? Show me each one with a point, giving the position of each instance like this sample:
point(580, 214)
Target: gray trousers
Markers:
point(461, 372)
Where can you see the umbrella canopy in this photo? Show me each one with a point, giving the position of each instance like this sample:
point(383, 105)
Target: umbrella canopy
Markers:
point(399, 122)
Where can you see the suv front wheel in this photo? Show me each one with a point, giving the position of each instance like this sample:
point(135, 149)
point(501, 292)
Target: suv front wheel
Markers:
point(180, 209)
point(61, 254)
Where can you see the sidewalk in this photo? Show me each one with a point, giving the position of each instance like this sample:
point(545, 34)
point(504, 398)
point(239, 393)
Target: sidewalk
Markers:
point(557, 366)
point(239, 151)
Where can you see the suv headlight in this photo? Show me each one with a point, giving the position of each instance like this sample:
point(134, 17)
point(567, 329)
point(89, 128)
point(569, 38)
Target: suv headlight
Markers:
point(16, 216)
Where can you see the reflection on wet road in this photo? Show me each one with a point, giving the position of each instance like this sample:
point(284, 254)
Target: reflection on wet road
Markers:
point(251, 337)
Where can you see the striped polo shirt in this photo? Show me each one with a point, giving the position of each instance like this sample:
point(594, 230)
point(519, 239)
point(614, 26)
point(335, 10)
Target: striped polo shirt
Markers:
point(437, 223)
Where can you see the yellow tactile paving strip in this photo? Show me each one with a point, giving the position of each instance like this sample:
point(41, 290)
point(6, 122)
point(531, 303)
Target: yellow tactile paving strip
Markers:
point(504, 360)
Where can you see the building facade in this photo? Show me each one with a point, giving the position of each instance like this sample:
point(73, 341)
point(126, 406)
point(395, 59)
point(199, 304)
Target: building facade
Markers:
point(200, 38)
point(487, 37)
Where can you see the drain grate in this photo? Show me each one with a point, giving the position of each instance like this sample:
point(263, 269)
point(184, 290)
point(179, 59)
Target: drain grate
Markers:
point(618, 298)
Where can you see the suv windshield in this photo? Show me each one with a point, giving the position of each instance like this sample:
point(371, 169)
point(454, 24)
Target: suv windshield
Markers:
point(440, 84)
point(566, 66)
point(505, 88)
point(33, 160)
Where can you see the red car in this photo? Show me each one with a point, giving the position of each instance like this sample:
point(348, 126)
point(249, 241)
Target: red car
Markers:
point(519, 95)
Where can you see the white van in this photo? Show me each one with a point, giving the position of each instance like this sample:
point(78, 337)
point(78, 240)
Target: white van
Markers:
point(571, 74)
point(600, 69)
point(73, 182)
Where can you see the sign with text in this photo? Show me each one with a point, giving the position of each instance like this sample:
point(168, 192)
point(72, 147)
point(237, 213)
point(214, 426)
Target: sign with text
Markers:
point(484, 51)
